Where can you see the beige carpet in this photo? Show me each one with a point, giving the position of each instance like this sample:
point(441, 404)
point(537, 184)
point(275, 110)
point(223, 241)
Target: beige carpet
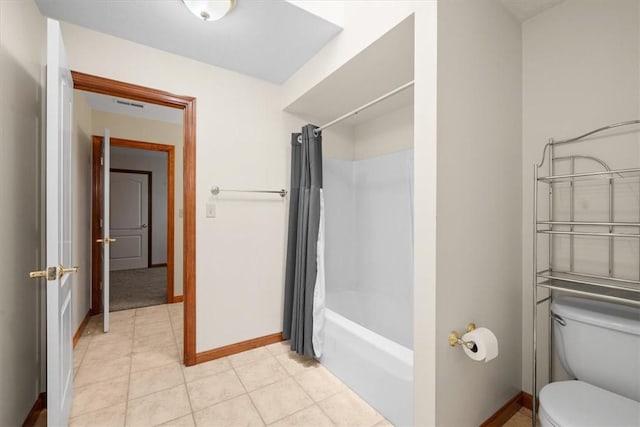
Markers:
point(137, 288)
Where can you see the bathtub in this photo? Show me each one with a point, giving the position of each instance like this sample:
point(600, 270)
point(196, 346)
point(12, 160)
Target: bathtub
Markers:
point(376, 368)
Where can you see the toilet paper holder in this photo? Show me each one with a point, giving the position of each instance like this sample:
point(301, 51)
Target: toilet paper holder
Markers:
point(455, 338)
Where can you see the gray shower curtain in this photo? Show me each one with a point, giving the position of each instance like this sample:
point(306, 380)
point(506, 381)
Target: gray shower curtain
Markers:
point(302, 241)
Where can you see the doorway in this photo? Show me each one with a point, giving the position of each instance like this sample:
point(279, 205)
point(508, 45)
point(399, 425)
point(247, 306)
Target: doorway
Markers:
point(187, 104)
point(142, 260)
point(131, 218)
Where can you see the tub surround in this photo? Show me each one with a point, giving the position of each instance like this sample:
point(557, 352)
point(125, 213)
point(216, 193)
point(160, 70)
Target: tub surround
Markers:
point(378, 369)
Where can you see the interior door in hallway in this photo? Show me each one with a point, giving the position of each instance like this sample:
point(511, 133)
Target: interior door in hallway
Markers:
point(129, 219)
point(106, 240)
point(59, 239)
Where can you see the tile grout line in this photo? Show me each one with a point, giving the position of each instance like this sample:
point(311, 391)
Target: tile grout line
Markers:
point(233, 368)
point(164, 389)
point(301, 410)
point(133, 338)
point(84, 360)
point(159, 390)
point(289, 375)
point(208, 375)
point(264, 385)
point(316, 403)
point(161, 366)
point(232, 397)
point(270, 384)
point(293, 378)
point(173, 362)
point(83, 356)
point(223, 400)
point(84, 414)
point(153, 367)
point(182, 368)
point(247, 393)
point(93, 384)
point(184, 384)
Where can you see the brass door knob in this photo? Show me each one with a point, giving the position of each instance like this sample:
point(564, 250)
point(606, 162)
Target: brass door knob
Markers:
point(50, 273)
point(106, 240)
point(62, 270)
point(53, 273)
point(37, 274)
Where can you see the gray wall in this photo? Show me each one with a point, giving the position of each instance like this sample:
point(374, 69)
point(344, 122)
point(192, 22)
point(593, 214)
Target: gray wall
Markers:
point(81, 159)
point(479, 208)
point(581, 70)
point(22, 43)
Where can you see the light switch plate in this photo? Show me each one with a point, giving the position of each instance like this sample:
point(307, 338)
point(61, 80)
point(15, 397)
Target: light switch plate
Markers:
point(211, 210)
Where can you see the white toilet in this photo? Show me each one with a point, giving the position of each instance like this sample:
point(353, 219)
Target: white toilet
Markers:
point(599, 344)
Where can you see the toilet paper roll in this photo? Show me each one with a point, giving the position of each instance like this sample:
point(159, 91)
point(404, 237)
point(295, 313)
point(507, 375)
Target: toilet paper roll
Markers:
point(486, 344)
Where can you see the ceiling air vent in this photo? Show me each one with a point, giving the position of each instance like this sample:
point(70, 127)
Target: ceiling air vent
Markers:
point(130, 104)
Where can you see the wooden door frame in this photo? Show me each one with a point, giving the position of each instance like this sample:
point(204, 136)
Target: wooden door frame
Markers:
point(149, 220)
point(116, 88)
point(96, 213)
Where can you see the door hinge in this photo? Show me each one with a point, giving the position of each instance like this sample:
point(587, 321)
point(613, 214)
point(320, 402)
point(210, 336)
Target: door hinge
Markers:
point(101, 161)
point(100, 222)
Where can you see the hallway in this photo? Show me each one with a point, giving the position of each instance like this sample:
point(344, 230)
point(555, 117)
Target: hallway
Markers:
point(134, 376)
point(137, 288)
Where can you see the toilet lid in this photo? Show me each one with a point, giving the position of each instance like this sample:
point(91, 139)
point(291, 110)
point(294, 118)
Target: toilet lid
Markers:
point(576, 403)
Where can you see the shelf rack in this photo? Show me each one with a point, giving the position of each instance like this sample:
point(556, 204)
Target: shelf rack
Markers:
point(606, 287)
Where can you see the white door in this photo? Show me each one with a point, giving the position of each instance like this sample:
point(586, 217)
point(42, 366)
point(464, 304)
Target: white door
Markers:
point(129, 220)
point(106, 239)
point(58, 234)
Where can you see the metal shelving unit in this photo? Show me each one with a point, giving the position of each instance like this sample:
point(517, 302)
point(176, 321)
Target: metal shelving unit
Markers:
point(608, 287)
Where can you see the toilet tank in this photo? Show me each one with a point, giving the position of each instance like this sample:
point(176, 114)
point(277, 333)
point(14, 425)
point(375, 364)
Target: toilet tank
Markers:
point(599, 343)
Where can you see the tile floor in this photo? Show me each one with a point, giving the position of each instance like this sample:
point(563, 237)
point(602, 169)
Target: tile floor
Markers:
point(134, 376)
point(522, 418)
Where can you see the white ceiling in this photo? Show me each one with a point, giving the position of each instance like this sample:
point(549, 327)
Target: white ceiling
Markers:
point(267, 39)
point(109, 104)
point(526, 9)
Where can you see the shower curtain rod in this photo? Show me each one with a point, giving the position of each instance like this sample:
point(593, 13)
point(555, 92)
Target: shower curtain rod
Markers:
point(361, 108)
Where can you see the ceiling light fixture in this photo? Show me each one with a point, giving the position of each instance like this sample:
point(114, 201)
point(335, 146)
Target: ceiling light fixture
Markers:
point(210, 10)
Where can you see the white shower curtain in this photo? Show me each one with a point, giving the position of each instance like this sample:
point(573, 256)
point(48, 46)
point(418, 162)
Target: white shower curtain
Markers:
point(319, 300)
